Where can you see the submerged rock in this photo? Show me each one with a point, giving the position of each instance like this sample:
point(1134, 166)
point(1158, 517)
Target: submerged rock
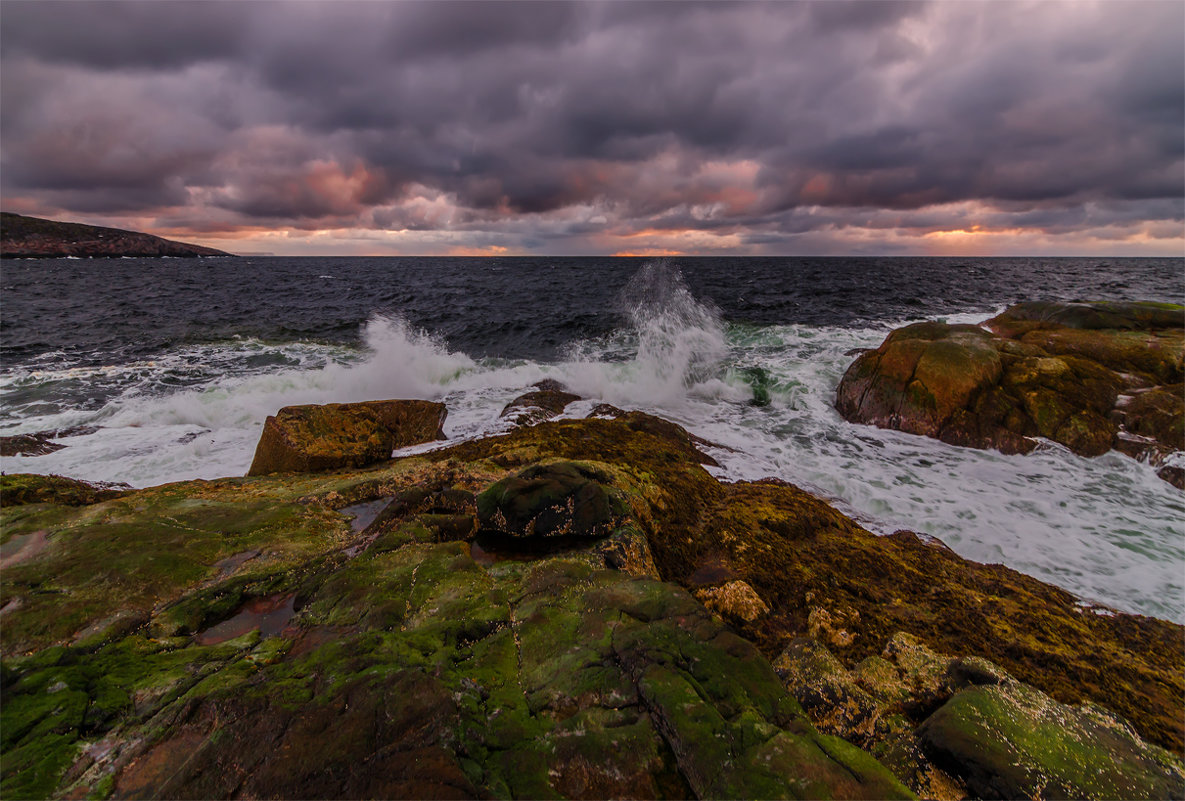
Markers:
point(301, 439)
point(1091, 376)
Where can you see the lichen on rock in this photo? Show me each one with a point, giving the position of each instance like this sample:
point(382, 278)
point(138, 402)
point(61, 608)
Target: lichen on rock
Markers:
point(426, 638)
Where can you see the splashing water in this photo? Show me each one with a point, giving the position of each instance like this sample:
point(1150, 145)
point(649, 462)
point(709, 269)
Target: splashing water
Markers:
point(1105, 528)
point(672, 349)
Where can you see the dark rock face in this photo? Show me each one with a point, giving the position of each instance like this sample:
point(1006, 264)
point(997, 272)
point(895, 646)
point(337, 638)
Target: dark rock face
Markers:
point(33, 237)
point(1174, 475)
point(553, 500)
point(393, 658)
point(302, 439)
point(1073, 373)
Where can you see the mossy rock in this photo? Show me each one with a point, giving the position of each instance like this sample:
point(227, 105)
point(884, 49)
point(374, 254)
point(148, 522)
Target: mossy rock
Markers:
point(1100, 315)
point(1158, 414)
point(1010, 741)
point(545, 679)
point(550, 661)
point(22, 488)
point(551, 500)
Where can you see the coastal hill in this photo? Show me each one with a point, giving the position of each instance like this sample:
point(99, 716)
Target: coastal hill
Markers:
point(33, 237)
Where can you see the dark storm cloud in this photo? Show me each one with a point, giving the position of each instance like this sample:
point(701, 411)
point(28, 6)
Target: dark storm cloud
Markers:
point(752, 120)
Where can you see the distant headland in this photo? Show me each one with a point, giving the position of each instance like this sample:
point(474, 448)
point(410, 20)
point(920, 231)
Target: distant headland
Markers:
point(24, 237)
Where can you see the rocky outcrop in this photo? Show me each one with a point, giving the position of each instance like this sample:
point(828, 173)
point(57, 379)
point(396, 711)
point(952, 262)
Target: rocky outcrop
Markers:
point(383, 632)
point(32, 237)
point(1091, 376)
point(335, 435)
point(957, 728)
point(547, 400)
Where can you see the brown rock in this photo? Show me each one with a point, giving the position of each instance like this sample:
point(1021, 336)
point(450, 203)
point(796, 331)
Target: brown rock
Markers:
point(1049, 370)
point(1174, 475)
point(313, 438)
point(919, 377)
point(37, 444)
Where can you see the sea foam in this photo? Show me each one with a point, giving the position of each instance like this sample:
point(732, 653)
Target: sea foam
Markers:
point(1105, 528)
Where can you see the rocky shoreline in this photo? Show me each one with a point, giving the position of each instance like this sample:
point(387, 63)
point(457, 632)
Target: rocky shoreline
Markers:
point(574, 609)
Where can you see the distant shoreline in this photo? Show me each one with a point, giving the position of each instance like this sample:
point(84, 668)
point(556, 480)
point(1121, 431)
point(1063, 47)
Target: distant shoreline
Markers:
point(24, 237)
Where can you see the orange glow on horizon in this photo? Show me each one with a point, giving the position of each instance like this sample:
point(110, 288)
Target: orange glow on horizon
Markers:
point(488, 250)
point(648, 253)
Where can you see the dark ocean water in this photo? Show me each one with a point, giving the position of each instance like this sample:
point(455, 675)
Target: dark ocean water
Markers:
point(171, 366)
point(110, 310)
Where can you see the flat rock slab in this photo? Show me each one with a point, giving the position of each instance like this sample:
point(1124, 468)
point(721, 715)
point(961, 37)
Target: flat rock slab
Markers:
point(304, 439)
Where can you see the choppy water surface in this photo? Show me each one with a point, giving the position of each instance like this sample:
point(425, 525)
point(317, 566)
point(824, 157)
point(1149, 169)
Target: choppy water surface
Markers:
point(178, 362)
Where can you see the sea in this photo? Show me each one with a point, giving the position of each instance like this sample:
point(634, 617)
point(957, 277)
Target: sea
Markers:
point(165, 369)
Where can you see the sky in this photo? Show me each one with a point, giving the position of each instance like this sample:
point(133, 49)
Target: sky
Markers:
point(470, 128)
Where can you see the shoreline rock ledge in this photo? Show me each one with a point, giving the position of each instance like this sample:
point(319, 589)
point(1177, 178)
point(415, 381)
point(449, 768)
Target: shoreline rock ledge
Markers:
point(1091, 376)
point(572, 609)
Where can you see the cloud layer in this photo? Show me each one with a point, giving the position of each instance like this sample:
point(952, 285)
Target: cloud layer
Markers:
point(456, 127)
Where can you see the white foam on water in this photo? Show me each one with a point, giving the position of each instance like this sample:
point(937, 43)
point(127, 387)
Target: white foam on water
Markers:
point(1105, 528)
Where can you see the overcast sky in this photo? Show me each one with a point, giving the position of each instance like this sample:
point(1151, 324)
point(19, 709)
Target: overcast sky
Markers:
point(790, 128)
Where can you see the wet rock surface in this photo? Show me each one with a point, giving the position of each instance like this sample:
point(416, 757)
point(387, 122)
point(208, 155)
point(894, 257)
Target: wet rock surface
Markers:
point(1091, 376)
point(548, 400)
point(384, 632)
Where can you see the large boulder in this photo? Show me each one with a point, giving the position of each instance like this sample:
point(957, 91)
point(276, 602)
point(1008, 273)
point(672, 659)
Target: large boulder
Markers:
point(304, 439)
point(550, 500)
point(1007, 740)
point(1062, 371)
point(920, 376)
